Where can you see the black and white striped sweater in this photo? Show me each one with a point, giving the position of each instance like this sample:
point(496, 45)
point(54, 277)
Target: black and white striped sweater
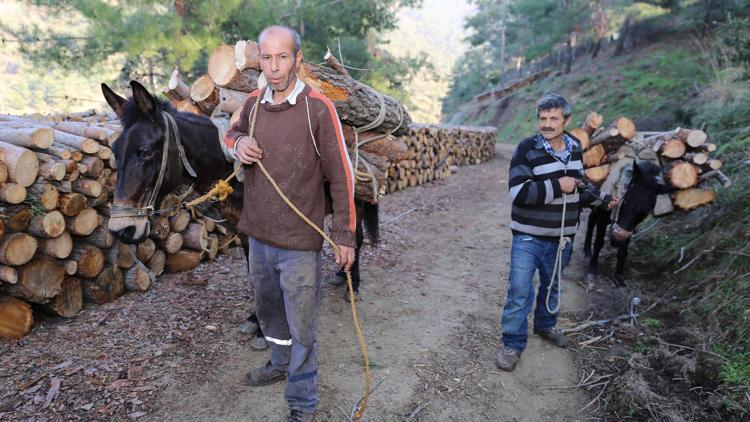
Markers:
point(536, 194)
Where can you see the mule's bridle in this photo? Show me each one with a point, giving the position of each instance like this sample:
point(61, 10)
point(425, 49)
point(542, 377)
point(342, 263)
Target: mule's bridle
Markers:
point(148, 209)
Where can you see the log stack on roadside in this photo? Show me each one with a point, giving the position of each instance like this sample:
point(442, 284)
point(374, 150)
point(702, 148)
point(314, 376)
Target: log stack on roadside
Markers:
point(684, 156)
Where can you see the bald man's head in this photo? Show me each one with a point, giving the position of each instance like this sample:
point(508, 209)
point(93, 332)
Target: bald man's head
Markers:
point(294, 38)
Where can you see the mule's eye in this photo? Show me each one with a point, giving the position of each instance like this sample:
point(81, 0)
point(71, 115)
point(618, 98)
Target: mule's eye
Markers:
point(146, 153)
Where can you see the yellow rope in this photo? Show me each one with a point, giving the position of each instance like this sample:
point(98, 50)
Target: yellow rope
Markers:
point(221, 191)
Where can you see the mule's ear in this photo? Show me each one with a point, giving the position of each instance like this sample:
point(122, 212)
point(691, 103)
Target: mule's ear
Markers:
point(636, 168)
point(115, 101)
point(144, 100)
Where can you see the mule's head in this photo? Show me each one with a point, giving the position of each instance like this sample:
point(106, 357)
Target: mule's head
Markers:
point(639, 199)
point(138, 152)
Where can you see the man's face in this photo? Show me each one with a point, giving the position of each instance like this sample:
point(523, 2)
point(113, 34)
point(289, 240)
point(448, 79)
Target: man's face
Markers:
point(552, 123)
point(277, 59)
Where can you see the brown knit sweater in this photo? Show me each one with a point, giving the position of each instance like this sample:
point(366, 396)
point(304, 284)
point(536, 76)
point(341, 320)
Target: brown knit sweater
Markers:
point(291, 157)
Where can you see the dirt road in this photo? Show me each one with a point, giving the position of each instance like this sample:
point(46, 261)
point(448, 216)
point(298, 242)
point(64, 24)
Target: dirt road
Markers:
point(433, 293)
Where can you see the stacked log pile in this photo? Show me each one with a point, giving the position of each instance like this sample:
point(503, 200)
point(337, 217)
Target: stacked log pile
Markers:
point(57, 176)
point(684, 156)
point(434, 150)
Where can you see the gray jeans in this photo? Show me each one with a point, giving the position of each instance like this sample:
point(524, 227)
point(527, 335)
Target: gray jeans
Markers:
point(287, 293)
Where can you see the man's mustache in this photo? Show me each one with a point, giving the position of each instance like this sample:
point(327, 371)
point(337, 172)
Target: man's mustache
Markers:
point(547, 129)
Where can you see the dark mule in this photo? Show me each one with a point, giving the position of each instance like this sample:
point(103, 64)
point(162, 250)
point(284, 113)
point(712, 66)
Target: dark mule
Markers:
point(639, 199)
point(195, 156)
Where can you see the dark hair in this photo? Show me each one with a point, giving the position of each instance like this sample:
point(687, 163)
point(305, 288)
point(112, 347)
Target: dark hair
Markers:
point(295, 36)
point(553, 101)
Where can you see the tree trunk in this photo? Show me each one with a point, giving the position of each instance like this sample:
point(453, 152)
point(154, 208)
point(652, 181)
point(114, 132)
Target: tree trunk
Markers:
point(195, 237)
point(159, 228)
point(88, 187)
point(12, 193)
point(71, 267)
point(137, 279)
point(689, 199)
point(146, 250)
point(683, 175)
point(23, 165)
point(121, 254)
point(85, 130)
point(598, 174)
point(246, 55)
point(16, 218)
point(16, 318)
point(213, 246)
point(176, 88)
point(205, 94)
point(94, 166)
point(101, 237)
point(47, 226)
point(231, 100)
point(84, 223)
point(70, 300)
point(17, 248)
point(44, 195)
point(172, 243)
point(70, 204)
point(90, 260)
point(8, 274)
point(674, 148)
point(3, 172)
point(394, 149)
point(31, 137)
point(38, 281)
point(184, 260)
point(357, 105)
point(180, 221)
point(60, 247)
point(581, 135)
point(157, 262)
point(663, 205)
point(106, 287)
point(223, 71)
point(594, 156)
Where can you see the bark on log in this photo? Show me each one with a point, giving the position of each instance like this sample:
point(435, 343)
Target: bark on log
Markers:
point(94, 166)
point(90, 132)
point(205, 94)
point(663, 205)
point(121, 255)
point(70, 300)
point(88, 187)
point(60, 247)
point(38, 281)
point(689, 199)
point(246, 55)
point(17, 248)
point(357, 105)
point(184, 260)
point(31, 137)
point(394, 149)
point(231, 100)
point(213, 246)
point(106, 287)
point(16, 318)
point(23, 164)
point(47, 226)
point(90, 260)
point(3, 172)
point(84, 223)
point(101, 237)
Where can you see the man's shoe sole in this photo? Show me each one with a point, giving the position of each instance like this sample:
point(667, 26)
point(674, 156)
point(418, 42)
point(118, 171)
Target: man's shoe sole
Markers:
point(250, 383)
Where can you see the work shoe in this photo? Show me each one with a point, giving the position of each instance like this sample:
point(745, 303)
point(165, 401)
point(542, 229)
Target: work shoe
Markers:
point(553, 336)
point(336, 280)
point(264, 375)
point(300, 416)
point(507, 358)
point(259, 343)
point(249, 327)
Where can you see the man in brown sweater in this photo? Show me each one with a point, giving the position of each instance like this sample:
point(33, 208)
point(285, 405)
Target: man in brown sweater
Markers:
point(299, 139)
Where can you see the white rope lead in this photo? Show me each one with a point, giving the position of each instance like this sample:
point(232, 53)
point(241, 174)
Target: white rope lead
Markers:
point(558, 268)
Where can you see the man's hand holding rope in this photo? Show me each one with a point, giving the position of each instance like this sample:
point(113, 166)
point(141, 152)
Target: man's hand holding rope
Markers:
point(247, 150)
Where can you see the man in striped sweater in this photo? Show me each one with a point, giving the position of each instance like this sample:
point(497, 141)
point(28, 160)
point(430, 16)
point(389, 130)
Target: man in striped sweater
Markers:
point(546, 179)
